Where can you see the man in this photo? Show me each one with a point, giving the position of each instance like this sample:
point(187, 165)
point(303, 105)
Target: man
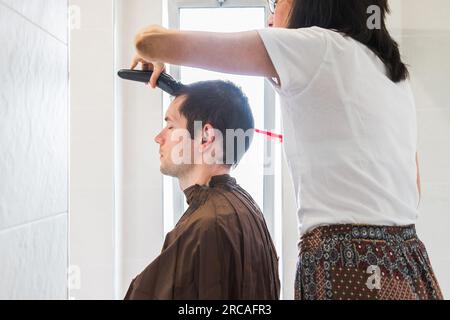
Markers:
point(220, 248)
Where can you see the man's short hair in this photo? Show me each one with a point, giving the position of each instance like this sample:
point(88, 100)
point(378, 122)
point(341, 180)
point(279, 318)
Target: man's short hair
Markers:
point(224, 106)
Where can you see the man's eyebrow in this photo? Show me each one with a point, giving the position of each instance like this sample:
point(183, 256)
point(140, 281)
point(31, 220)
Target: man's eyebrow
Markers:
point(167, 119)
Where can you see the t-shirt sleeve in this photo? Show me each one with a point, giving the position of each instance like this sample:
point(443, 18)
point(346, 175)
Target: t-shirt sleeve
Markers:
point(296, 54)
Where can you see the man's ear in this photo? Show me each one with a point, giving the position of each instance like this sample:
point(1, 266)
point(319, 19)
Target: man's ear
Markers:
point(208, 136)
point(211, 146)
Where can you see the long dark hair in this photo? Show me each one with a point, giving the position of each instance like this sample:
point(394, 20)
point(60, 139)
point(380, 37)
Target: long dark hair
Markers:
point(350, 18)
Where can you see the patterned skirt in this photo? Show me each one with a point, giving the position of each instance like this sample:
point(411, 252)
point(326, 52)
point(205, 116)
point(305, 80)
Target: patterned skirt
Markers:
point(356, 262)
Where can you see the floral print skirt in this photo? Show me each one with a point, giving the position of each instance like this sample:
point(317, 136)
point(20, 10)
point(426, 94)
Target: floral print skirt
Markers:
point(357, 262)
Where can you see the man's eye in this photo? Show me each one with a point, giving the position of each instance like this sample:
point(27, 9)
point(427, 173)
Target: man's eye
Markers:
point(170, 128)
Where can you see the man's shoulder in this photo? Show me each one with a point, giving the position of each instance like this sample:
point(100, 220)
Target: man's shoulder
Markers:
point(216, 205)
point(220, 206)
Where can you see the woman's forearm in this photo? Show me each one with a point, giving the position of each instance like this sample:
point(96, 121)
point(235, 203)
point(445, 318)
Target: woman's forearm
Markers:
point(238, 53)
point(151, 43)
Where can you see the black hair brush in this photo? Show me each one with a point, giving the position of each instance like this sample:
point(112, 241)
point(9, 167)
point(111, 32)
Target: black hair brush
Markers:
point(165, 81)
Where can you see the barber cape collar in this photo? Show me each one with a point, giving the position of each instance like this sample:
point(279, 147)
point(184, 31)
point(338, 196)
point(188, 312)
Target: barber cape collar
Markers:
point(195, 192)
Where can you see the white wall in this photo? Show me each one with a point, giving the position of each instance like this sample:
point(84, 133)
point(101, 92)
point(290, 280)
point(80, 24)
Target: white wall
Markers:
point(139, 191)
point(290, 235)
point(116, 219)
point(92, 150)
point(426, 48)
point(33, 149)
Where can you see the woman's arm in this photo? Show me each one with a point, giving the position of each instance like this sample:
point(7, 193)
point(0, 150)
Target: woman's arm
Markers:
point(238, 53)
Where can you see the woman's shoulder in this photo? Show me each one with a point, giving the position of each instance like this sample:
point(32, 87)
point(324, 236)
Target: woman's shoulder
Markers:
point(314, 30)
point(310, 35)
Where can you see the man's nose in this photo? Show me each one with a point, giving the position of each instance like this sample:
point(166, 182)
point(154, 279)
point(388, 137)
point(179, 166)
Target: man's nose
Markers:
point(270, 20)
point(158, 139)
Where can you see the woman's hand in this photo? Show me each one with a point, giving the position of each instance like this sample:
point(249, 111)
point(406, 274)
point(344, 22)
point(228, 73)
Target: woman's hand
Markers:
point(141, 42)
point(157, 67)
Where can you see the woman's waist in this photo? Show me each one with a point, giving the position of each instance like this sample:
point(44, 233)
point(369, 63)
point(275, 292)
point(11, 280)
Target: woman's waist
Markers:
point(348, 233)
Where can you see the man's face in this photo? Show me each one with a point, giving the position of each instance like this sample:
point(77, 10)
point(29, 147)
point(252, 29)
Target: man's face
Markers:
point(171, 147)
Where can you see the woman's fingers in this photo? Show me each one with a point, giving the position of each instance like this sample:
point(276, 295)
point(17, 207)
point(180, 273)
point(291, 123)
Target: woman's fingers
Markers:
point(145, 64)
point(158, 68)
point(135, 62)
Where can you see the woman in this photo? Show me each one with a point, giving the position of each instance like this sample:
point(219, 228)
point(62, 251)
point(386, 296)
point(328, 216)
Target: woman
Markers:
point(349, 121)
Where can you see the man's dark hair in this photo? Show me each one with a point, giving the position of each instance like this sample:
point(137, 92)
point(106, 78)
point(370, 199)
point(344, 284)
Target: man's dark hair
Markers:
point(350, 18)
point(224, 106)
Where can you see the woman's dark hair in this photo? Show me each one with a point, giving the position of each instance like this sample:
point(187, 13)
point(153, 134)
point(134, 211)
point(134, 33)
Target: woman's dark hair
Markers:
point(224, 106)
point(350, 17)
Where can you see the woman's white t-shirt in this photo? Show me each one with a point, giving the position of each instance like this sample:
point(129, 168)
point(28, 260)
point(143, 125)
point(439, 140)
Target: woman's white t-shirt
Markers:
point(350, 132)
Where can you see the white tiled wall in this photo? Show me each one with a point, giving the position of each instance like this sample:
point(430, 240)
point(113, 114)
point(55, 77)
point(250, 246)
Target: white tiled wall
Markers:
point(33, 149)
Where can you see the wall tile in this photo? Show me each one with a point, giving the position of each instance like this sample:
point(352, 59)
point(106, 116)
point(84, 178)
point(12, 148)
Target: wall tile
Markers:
point(50, 15)
point(33, 122)
point(34, 260)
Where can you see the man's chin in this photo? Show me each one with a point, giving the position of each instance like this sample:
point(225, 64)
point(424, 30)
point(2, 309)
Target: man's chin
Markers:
point(174, 171)
point(167, 172)
point(164, 171)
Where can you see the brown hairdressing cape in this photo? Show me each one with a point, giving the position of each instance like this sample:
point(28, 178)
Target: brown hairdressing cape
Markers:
point(220, 249)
